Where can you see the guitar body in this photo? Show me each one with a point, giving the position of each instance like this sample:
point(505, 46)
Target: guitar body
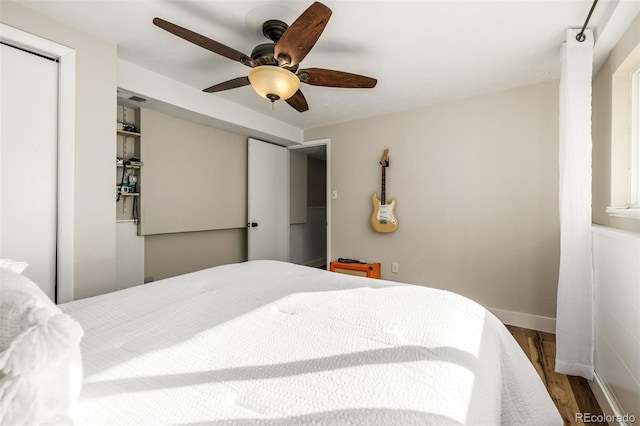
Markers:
point(384, 217)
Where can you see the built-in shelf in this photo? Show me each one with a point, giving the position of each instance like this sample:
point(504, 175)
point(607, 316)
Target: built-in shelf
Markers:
point(127, 133)
point(128, 175)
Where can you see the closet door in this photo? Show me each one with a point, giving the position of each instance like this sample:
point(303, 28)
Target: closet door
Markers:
point(29, 163)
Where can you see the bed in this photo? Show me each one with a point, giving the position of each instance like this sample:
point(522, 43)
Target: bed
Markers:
point(272, 343)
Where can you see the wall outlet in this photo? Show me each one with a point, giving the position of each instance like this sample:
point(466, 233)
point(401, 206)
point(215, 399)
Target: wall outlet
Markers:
point(334, 195)
point(394, 267)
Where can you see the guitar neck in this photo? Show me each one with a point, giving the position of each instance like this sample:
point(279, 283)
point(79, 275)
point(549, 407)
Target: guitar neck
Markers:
point(383, 197)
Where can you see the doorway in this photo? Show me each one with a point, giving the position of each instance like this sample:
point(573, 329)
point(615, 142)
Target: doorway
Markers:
point(310, 204)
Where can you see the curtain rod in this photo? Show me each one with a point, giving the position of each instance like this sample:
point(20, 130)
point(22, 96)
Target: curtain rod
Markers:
point(580, 36)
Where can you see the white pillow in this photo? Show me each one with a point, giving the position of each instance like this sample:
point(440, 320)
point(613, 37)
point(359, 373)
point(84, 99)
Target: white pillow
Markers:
point(14, 265)
point(40, 361)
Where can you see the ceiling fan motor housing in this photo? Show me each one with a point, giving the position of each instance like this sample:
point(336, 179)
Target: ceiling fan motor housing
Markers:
point(263, 54)
point(273, 29)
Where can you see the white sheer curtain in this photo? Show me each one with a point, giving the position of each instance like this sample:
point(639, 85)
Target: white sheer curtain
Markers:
point(575, 316)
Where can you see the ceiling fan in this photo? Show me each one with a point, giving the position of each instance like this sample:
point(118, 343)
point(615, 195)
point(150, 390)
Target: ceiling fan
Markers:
point(275, 73)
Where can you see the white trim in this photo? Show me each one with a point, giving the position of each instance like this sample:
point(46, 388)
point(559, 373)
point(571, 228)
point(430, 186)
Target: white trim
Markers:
point(612, 232)
point(327, 143)
point(288, 225)
point(310, 144)
point(533, 322)
point(66, 148)
point(66, 176)
point(624, 212)
point(605, 398)
point(634, 143)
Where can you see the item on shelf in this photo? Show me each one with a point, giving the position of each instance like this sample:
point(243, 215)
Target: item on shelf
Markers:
point(119, 161)
point(134, 161)
point(127, 189)
point(127, 127)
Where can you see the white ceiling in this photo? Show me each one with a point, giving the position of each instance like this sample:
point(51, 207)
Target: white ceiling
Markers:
point(421, 52)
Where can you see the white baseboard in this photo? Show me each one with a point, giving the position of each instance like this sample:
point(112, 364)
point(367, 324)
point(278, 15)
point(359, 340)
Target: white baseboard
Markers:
point(607, 401)
point(533, 322)
point(602, 395)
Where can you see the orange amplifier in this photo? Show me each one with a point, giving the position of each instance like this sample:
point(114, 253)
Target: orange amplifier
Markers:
point(370, 270)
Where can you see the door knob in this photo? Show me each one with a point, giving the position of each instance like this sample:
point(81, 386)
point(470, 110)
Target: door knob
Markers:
point(252, 224)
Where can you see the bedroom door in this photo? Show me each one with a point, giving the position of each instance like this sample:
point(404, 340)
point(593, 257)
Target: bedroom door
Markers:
point(29, 163)
point(268, 201)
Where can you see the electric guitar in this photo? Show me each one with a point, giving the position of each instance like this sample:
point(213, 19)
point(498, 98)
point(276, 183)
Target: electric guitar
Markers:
point(384, 217)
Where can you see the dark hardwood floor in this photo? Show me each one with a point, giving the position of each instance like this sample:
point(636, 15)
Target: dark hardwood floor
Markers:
point(571, 394)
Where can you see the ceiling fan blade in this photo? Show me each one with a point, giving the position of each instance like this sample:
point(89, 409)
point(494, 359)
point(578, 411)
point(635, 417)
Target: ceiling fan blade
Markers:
point(204, 42)
point(331, 78)
point(298, 102)
point(231, 84)
point(302, 35)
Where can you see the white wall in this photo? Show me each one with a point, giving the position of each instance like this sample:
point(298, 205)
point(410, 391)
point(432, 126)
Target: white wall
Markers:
point(616, 251)
point(168, 255)
point(616, 256)
point(477, 187)
point(297, 187)
point(95, 148)
point(129, 255)
point(308, 241)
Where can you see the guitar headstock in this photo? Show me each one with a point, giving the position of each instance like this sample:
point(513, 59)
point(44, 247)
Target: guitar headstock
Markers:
point(385, 158)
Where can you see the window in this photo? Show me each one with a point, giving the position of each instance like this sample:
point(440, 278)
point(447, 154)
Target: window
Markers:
point(625, 138)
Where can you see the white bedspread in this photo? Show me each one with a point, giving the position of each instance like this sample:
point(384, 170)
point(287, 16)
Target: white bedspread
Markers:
point(268, 342)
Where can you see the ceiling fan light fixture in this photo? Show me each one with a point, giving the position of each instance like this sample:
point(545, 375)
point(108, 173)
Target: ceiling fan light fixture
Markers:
point(274, 83)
